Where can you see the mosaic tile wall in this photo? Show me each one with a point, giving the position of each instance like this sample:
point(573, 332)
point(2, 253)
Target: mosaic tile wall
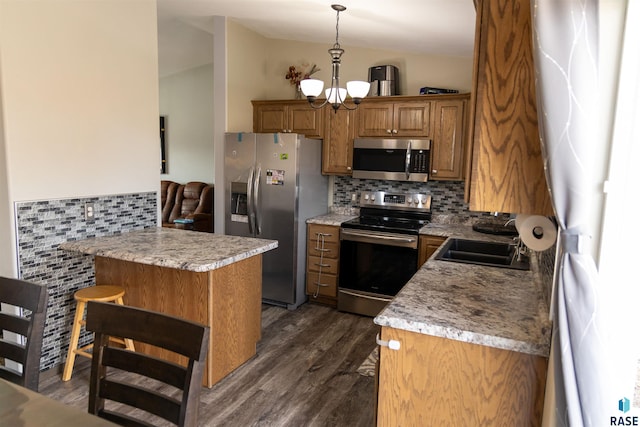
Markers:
point(43, 225)
point(446, 196)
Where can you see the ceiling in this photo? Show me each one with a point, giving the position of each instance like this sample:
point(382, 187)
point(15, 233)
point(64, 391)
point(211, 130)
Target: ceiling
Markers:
point(438, 27)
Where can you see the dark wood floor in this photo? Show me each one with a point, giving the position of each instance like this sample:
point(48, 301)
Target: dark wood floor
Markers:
point(304, 374)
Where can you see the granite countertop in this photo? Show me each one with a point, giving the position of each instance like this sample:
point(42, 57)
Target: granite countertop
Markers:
point(495, 307)
point(168, 247)
point(331, 219)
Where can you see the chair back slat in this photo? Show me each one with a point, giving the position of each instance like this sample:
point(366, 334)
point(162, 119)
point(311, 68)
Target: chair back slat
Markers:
point(16, 324)
point(12, 351)
point(148, 366)
point(177, 399)
point(147, 400)
point(156, 331)
point(31, 300)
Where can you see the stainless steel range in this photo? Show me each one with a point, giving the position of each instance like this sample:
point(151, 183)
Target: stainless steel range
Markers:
point(379, 249)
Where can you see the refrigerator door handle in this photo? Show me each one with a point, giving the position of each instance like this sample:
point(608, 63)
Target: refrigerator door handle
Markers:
point(256, 206)
point(251, 208)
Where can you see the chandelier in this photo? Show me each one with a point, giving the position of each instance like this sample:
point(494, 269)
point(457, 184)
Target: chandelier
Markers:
point(312, 88)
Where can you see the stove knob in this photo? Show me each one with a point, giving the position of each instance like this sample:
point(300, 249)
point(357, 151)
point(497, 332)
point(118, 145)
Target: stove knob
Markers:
point(373, 198)
point(409, 200)
point(423, 199)
point(366, 197)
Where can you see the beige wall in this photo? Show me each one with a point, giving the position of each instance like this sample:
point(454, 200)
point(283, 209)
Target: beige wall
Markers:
point(257, 68)
point(186, 100)
point(247, 64)
point(79, 97)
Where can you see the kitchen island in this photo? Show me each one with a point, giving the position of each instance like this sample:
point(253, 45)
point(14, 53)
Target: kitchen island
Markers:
point(474, 342)
point(212, 279)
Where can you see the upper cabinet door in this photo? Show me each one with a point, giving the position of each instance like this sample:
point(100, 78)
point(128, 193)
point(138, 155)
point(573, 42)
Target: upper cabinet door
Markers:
point(337, 145)
point(375, 119)
point(305, 120)
point(269, 118)
point(447, 149)
point(412, 119)
point(507, 172)
point(391, 119)
point(287, 117)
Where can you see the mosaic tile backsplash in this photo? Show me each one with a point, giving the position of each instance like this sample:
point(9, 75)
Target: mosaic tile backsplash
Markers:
point(447, 197)
point(42, 225)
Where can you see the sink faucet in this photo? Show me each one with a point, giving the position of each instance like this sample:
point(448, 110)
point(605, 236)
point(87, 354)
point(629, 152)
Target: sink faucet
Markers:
point(521, 249)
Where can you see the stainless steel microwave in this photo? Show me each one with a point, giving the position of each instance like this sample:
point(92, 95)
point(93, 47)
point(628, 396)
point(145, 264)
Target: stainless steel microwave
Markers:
point(391, 159)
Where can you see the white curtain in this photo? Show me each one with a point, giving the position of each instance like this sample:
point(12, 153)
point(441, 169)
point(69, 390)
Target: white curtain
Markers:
point(565, 38)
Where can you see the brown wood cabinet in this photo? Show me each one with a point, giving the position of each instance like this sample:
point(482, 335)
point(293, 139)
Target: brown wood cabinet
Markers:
point(427, 245)
point(289, 116)
point(323, 259)
point(386, 117)
point(506, 169)
point(337, 146)
point(227, 299)
point(449, 136)
point(432, 381)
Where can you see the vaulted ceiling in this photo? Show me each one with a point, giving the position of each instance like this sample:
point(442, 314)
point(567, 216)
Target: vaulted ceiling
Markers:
point(440, 27)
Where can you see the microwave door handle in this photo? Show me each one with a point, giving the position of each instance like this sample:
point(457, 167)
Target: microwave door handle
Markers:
point(407, 161)
point(250, 207)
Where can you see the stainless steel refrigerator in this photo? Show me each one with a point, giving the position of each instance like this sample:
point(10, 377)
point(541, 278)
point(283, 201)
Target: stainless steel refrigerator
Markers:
point(273, 184)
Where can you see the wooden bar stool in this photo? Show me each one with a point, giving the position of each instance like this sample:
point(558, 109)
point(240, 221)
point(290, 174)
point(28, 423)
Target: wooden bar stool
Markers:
point(102, 293)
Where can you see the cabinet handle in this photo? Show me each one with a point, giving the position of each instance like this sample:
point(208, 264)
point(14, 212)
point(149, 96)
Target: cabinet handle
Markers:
point(392, 344)
point(389, 131)
point(322, 285)
point(324, 234)
point(322, 249)
point(435, 171)
point(348, 168)
point(322, 265)
point(395, 131)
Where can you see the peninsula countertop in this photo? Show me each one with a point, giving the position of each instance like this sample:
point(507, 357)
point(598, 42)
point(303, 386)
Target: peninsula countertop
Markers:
point(179, 249)
point(495, 307)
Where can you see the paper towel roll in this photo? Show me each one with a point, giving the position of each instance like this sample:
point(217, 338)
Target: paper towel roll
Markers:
point(537, 232)
point(519, 220)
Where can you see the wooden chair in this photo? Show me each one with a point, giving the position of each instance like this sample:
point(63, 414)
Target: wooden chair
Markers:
point(176, 335)
point(26, 296)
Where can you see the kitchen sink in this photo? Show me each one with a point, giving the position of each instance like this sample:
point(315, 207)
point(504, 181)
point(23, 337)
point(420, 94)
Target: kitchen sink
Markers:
point(483, 253)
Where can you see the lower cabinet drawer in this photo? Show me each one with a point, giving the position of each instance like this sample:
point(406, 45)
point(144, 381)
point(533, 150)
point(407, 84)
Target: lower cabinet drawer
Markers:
point(328, 284)
point(330, 250)
point(328, 265)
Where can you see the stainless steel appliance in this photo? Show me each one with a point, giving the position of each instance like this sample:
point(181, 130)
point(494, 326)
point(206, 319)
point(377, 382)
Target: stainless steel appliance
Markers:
point(379, 249)
point(384, 80)
point(273, 184)
point(391, 159)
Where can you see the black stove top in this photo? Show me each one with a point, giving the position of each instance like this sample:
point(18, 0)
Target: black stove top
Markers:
point(392, 213)
point(386, 224)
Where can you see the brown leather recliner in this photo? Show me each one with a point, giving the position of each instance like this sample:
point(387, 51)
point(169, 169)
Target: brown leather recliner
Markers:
point(168, 191)
point(193, 200)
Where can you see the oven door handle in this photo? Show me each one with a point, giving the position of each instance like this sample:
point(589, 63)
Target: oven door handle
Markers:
point(367, 296)
point(380, 238)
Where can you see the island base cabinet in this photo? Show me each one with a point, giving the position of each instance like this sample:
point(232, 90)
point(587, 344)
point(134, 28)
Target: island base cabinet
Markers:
point(432, 381)
point(228, 300)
